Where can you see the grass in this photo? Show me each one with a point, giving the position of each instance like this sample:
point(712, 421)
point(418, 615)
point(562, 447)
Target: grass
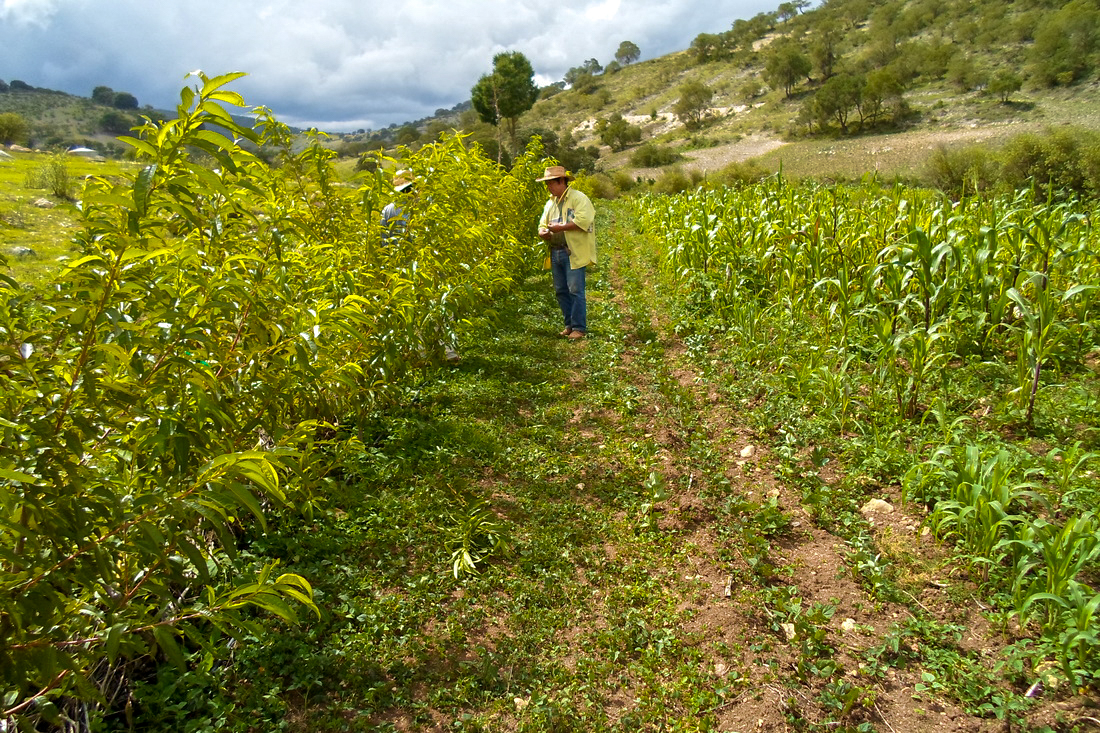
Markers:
point(34, 236)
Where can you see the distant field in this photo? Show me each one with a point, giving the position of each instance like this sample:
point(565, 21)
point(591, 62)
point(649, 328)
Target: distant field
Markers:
point(45, 231)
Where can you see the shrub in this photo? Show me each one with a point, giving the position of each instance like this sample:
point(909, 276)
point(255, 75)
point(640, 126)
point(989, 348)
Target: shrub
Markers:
point(623, 180)
point(13, 128)
point(601, 186)
point(742, 173)
point(956, 171)
point(115, 122)
point(651, 155)
point(673, 181)
point(1065, 161)
point(53, 175)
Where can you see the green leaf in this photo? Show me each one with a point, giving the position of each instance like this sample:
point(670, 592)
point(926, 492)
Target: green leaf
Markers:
point(248, 499)
point(166, 639)
point(23, 478)
point(113, 640)
point(143, 186)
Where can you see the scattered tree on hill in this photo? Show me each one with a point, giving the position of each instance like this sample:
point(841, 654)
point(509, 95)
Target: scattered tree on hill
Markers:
point(564, 149)
point(1066, 43)
point(628, 53)
point(1004, 84)
point(3, 86)
point(104, 95)
point(695, 99)
point(115, 122)
point(618, 133)
point(13, 128)
point(744, 34)
point(963, 72)
point(708, 47)
point(551, 89)
point(578, 75)
point(20, 86)
point(785, 66)
point(124, 100)
point(883, 89)
point(837, 99)
point(824, 48)
point(507, 93)
point(407, 135)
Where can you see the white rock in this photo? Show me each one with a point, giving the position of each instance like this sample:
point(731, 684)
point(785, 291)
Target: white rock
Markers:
point(876, 506)
point(748, 451)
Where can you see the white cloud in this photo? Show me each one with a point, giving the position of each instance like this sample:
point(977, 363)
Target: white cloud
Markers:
point(603, 11)
point(28, 12)
point(340, 64)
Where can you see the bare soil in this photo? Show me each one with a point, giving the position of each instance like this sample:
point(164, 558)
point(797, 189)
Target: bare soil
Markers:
point(726, 607)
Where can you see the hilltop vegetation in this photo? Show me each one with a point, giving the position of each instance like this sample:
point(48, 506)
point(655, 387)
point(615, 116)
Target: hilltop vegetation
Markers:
point(848, 87)
point(56, 120)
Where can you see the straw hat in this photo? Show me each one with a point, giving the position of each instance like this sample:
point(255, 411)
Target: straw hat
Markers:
point(555, 171)
point(403, 180)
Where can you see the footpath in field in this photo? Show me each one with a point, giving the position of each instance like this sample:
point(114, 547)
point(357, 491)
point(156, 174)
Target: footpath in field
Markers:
point(716, 602)
point(642, 557)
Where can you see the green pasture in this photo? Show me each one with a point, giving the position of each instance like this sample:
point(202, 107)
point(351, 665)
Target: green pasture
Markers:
point(45, 231)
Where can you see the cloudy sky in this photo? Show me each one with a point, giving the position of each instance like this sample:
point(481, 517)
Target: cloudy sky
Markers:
point(338, 65)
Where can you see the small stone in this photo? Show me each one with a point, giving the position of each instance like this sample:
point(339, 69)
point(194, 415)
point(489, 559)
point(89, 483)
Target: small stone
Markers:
point(748, 451)
point(788, 629)
point(925, 532)
point(721, 668)
point(848, 625)
point(43, 203)
point(876, 506)
point(519, 702)
point(22, 252)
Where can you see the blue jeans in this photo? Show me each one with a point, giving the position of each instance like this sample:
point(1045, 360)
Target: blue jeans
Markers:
point(569, 287)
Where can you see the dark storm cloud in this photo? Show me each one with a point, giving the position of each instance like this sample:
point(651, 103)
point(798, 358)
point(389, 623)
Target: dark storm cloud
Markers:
point(334, 64)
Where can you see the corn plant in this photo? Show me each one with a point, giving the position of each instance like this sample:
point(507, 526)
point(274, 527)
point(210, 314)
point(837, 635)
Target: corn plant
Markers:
point(982, 507)
point(1041, 335)
point(1061, 552)
point(473, 536)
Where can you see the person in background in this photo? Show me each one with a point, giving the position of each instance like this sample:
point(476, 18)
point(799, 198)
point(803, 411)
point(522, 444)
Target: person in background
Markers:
point(394, 222)
point(393, 215)
point(568, 225)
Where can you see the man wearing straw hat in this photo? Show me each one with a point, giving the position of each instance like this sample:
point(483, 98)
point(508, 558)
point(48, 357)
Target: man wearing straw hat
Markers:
point(568, 225)
point(394, 218)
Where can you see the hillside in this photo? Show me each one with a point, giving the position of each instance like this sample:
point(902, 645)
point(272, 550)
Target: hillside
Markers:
point(849, 87)
point(57, 120)
point(920, 74)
